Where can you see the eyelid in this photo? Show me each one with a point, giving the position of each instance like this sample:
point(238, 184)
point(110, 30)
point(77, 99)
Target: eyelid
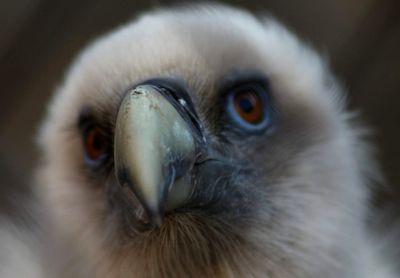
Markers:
point(241, 77)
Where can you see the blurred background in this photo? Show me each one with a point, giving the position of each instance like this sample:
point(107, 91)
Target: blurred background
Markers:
point(39, 38)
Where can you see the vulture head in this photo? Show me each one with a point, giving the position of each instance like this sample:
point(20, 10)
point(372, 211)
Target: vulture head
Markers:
point(203, 142)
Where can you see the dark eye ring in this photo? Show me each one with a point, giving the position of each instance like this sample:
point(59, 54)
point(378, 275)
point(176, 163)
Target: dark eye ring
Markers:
point(248, 107)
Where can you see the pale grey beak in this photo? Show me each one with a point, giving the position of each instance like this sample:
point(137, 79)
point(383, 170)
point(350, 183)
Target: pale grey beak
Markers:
point(154, 150)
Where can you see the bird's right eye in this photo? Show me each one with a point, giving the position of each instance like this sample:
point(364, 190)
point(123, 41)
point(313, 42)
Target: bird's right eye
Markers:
point(96, 145)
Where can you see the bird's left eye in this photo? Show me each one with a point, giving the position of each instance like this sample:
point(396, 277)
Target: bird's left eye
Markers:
point(249, 108)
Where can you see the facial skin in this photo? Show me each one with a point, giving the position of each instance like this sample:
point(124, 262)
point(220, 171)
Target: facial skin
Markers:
point(290, 199)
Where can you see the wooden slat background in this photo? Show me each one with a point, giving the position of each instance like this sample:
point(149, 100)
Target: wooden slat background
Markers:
point(39, 38)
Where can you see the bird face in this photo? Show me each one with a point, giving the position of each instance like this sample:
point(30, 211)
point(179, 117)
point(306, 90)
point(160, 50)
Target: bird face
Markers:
point(202, 142)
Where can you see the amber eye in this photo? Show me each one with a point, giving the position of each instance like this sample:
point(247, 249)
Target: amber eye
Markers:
point(95, 144)
point(249, 108)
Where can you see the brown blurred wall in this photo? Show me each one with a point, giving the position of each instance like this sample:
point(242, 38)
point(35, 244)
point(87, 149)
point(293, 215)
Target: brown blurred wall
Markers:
point(39, 38)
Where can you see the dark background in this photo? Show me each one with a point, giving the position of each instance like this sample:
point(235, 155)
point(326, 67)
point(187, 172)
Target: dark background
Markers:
point(39, 38)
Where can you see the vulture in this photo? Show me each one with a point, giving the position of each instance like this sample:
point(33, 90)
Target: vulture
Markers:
point(200, 141)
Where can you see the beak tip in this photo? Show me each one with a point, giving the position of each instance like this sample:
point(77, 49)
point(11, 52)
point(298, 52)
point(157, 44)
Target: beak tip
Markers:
point(156, 218)
point(157, 221)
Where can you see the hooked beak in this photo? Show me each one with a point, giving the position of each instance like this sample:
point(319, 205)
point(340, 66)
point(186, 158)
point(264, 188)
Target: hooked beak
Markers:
point(157, 140)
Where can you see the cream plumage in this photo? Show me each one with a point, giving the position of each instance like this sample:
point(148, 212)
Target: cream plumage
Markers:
point(282, 196)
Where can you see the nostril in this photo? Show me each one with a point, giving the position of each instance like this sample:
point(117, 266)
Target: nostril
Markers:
point(175, 87)
point(177, 91)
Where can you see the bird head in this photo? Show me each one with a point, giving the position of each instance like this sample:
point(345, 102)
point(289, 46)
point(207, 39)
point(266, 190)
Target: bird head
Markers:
point(202, 141)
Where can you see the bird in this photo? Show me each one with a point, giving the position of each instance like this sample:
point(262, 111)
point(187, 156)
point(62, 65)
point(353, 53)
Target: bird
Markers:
point(204, 141)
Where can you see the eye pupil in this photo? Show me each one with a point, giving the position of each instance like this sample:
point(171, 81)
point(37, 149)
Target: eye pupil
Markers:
point(246, 105)
point(97, 143)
